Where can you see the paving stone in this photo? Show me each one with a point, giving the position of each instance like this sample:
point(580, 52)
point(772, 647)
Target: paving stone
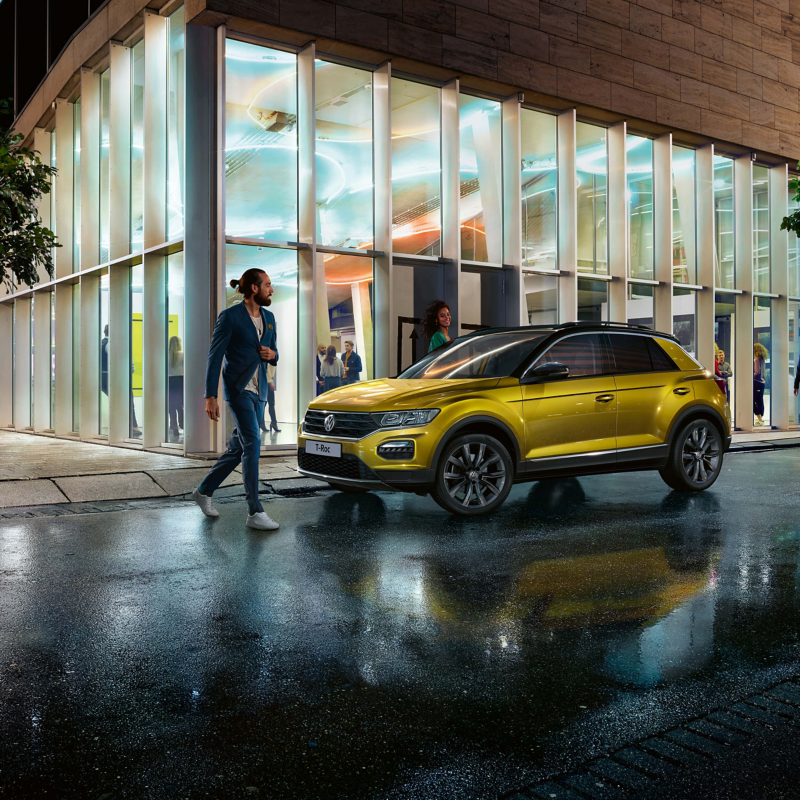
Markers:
point(297, 485)
point(695, 741)
point(786, 692)
point(29, 493)
point(621, 775)
point(669, 749)
point(109, 487)
point(553, 791)
point(736, 722)
point(183, 481)
point(642, 760)
point(776, 707)
point(593, 787)
point(760, 714)
point(720, 734)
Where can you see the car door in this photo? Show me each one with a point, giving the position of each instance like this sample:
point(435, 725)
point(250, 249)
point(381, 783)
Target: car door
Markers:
point(574, 416)
point(651, 392)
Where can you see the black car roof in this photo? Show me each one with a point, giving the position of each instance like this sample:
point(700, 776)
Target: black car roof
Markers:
point(587, 326)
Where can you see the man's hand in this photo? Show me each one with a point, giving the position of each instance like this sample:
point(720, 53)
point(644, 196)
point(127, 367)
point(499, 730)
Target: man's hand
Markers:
point(795, 392)
point(212, 408)
point(271, 385)
point(266, 354)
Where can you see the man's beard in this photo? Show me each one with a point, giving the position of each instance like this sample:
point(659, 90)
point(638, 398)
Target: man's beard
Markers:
point(265, 301)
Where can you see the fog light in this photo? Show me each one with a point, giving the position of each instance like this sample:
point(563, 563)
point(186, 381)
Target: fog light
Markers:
point(396, 451)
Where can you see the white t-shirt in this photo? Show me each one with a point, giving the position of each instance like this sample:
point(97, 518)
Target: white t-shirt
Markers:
point(259, 323)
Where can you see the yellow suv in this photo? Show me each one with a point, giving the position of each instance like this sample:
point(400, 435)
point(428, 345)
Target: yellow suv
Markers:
point(509, 405)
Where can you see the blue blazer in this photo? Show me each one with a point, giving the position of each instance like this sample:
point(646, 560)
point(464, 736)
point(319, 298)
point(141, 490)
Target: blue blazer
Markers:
point(353, 366)
point(235, 339)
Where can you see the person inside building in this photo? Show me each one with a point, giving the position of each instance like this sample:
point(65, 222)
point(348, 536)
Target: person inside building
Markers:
point(435, 322)
point(321, 353)
point(273, 420)
point(724, 371)
point(175, 396)
point(760, 356)
point(245, 336)
point(331, 370)
point(136, 431)
point(351, 363)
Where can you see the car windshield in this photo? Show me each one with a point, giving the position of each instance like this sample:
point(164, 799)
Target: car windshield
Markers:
point(491, 355)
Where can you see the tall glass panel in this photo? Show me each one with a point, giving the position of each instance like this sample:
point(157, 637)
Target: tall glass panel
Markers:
point(260, 142)
point(591, 164)
point(684, 319)
point(541, 298)
point(762, 373)
point(136, 405)
point(761, 252)
point(416, 168)
point(137, 147)
point(175, 340)
point(481, 172)
point(175, 132)
point(76, 186)
point(539, 186)
point(640, 304)
point(281, 266)
point(794, 253)
point(592, 300)
point(105, 174)
point(723, 223)
point(684, 230)
point(53, 189)
point(639, 196)
point(725, 341)
point(52, 360)
point(33, 359)
point(344, 155)
point(794, 362)
point(76, 357)
point(102, 423)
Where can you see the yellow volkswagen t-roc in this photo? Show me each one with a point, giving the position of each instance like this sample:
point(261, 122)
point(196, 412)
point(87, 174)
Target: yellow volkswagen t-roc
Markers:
point(509, 405)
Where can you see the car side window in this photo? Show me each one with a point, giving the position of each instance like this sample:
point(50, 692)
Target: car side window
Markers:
point(631, 353)
point(584, 354)
point(661, 361)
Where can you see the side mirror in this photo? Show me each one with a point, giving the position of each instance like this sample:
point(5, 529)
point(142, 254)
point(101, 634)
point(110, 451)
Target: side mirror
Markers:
point(551, 371)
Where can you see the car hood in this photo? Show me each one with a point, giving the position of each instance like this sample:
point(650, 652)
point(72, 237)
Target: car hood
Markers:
point(390, 394)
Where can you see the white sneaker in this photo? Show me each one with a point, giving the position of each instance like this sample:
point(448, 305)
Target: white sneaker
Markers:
point(204, 501)
point(261, 522)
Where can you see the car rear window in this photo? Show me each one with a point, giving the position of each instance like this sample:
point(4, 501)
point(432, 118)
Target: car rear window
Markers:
point(634, 354)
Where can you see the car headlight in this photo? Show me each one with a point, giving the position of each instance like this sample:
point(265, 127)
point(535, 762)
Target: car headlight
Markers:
point(406, 419)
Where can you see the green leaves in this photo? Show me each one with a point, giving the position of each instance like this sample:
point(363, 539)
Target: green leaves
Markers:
point(25, 244)
point(792, 222)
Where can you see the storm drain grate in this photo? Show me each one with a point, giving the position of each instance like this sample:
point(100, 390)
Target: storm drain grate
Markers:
point(654, 761)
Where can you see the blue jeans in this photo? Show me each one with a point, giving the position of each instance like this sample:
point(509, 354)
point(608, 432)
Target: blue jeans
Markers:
point(244, 446)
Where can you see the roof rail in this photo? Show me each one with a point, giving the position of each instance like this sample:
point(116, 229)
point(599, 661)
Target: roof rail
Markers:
point(606, 324)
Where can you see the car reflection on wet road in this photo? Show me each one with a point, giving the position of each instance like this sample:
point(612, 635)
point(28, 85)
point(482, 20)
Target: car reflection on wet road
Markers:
point(376, 647)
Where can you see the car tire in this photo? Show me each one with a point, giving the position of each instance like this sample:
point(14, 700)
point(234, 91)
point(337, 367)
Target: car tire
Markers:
point(474, 475)
point(342, 487)
point(695, 460)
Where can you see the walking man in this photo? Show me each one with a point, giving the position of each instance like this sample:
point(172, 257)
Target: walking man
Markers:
point(246, 336)
point(352, 364)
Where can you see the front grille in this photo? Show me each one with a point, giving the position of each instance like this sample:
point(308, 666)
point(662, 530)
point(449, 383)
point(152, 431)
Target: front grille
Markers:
point(345, 467)
point(348, 425)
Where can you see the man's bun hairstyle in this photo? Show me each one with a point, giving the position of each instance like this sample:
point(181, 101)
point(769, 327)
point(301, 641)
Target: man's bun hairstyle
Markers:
point(244, 285)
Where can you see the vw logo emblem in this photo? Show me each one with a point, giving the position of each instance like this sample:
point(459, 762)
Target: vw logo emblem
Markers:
point(330, 421)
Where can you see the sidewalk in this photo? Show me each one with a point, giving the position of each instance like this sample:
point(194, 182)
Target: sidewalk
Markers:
point(38, 470)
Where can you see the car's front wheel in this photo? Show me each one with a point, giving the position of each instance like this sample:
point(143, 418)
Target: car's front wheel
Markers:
point(473, 476)
point(696, 458)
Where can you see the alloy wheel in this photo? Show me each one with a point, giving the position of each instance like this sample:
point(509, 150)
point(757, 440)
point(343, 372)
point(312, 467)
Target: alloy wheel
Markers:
point(701, 454)
point(474, 475)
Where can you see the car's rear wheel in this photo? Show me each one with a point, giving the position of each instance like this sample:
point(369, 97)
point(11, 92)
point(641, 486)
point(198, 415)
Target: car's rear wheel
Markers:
point(473, 476)
point(342, 487)
point(696, 457)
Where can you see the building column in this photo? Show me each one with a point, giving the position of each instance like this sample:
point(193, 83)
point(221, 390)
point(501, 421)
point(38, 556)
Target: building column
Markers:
point(154, 346)
point(779, 267)
point(743, 227)
point(382, 265)
point(41, 143)
point(64, 190)
point(90, 352)
point(119, 162)
point(307, 266)
point(451, 198)
point(617, 213)
point(516, 312)
point(119, 353)
point(6, 364)
point(704, 205)
point(200, 244)
point(662, 232)
point(567, 218)
point(90, 170)
point(22, 362)
point(41, 362)
point(63, 355)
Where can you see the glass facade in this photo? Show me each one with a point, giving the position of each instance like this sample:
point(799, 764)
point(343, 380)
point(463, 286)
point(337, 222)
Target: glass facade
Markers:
point(104, 335)
point(76, 185)
point(640, 304)
point(137, 322)
point(591, 167)
point(541, 299)
point(684, 231)
point(176, 336)
point(725, 241)
point(592, 300)
point(684, 319)
point(416, 168)
point(639, 196)
point(761, 249)
point(105, 173)
point(539, 190)
point(794, 253)
point(76, 357)
point(762, 372)
point(175, 132)
point(137, 147)
point(725, 342)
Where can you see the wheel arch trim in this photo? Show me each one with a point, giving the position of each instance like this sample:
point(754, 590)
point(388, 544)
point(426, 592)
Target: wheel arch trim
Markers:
point(483, 419)
point(697, 411)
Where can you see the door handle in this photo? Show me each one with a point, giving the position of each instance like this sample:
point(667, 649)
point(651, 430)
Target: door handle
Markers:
point(604, 398)
point(681, 390)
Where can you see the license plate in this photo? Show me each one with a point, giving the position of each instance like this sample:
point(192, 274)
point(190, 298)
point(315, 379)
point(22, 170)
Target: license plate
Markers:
point(332, 449)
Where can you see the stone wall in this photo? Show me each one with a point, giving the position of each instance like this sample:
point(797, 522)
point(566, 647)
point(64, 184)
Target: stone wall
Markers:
point(724, 69)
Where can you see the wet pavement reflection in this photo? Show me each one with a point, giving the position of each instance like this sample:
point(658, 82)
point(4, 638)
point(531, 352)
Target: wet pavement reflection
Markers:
point(376, 647)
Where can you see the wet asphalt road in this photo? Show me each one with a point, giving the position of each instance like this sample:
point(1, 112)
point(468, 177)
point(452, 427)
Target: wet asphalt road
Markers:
point(376, 647)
